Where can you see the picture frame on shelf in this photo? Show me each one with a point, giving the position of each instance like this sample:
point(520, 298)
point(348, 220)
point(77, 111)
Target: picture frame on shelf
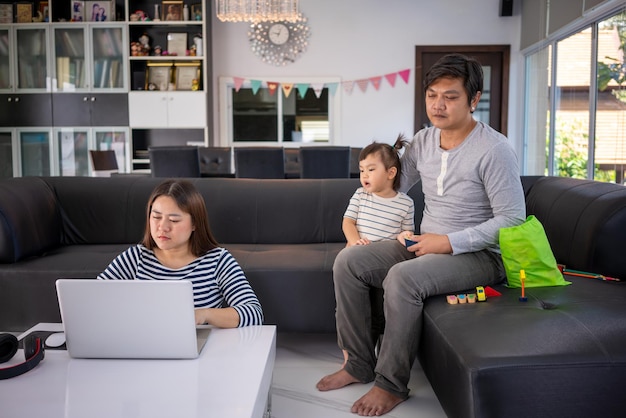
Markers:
point(24, 12)
point(78, 11)
point(177, 43)
point(187, 75)
point(158, 75)
point(172, 10)
point(99, 11)
point(196, 12)
point(45, 10)
point(6, 12)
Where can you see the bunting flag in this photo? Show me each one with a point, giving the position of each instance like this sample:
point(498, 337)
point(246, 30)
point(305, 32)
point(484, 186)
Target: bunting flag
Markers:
point(255, 84)
point(348, 86)
point(272, 86)
point(302, 88)
point(332, 88)
point(376, 81)
point(287, 87)
point(238, 82)
point(404, 74)
point(391, 78)
point(362, 83)
point(317, 88)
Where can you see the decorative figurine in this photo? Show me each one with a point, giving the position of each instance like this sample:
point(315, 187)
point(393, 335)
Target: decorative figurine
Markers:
point(157, 51)
point(145, 43)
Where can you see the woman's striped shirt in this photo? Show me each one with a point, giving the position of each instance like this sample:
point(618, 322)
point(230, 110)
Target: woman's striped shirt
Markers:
point(216, 277)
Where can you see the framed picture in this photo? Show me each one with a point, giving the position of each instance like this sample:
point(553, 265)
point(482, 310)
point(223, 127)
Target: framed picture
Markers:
point(6, 12)
point(187, 75)
point(45, 10)
point(78, 11)
point(172, 10)
point(99, 11)
point(159, 75)
point(177, 44)
point(24, 12)
point(196, 12)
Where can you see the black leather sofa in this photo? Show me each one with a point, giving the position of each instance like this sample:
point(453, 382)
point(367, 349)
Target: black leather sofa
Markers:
point(561, 354)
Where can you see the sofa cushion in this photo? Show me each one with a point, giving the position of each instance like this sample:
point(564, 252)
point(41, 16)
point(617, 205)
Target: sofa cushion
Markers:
point(583, 220)
point(29, 219)
point(564, 346)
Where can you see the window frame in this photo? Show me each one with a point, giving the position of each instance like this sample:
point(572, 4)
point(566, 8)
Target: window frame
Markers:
point(225, 129)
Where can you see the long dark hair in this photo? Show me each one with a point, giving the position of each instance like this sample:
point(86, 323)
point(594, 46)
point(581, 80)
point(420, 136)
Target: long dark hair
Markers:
point(190, 201)
point(389, 154)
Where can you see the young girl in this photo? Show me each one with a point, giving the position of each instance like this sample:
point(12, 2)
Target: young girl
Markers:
point(178, 245)
point(377, 211)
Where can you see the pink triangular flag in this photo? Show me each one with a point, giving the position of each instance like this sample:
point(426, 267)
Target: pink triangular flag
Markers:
point(391, 78)
point(272, 86)
point(404, 74)
point(376, 81)
point(287, 88)
point(238, 82)
point(348, 86)
point(362, 83)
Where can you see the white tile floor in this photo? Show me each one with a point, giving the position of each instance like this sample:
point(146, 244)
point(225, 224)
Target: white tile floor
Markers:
point(301, 360)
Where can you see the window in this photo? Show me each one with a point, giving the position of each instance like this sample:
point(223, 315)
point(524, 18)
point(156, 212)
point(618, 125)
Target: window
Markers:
point(578, 128)
point(257, 116)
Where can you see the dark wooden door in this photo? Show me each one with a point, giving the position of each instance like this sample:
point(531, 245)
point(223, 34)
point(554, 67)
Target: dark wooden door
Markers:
point(493, 106)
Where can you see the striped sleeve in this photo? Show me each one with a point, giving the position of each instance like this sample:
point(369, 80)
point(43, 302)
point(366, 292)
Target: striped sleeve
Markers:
point(237, 291)
point(123, 267)
point(352, 212)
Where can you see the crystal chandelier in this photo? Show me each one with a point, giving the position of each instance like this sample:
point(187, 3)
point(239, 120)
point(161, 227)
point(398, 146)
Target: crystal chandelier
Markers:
point(256, 10)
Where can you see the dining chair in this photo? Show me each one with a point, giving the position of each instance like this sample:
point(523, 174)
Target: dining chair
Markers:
point(174, 161)
point(216, 161)
point(324, 162)
point(103, 162)
point(260, 162)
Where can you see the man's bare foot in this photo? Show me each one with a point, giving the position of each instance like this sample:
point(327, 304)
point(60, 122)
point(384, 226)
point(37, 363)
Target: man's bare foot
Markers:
point(336, 380)
point(376, 402)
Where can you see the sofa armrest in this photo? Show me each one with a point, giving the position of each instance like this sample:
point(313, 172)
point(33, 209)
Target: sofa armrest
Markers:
point(29, 219)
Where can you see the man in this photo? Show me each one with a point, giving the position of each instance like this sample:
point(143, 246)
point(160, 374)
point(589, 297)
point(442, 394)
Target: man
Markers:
point(471, 184)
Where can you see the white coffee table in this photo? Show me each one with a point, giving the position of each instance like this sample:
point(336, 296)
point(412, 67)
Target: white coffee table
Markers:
point(231, 378)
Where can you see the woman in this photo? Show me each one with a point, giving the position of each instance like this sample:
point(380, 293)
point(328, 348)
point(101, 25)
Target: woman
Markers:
point(178, 245)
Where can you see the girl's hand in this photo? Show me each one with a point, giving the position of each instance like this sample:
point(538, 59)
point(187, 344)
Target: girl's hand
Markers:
point(360, 241)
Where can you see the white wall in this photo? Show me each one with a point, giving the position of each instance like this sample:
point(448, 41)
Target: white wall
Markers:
point(354, 39)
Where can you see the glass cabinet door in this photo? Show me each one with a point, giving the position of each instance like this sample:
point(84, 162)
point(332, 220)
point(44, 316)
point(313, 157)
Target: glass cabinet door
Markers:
point(108, 57)
point(32, 58)
point(69, 53)
point(72, 152)
point(116, 140)
point(5, 59)
point(6, 154)
point(35, 152)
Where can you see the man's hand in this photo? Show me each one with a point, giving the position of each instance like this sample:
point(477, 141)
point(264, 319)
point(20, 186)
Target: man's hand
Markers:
point(430, 244)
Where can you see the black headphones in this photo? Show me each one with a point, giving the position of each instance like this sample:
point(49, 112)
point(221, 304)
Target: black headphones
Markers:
point(33, 354)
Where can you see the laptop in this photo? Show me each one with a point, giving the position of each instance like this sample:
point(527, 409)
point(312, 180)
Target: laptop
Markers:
point(129, 319)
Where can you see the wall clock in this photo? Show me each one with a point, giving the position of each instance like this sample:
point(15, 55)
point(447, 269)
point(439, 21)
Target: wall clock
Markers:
point(279, 43)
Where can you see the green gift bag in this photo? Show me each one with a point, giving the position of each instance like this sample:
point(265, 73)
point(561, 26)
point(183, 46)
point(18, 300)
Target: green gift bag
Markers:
point(526, 247)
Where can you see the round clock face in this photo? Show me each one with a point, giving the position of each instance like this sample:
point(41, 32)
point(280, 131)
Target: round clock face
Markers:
point(279, 43)
point(278, 33)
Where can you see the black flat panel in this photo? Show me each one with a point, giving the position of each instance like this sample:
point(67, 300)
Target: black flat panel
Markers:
point(71, 109)
point(88, 109)
point(109, 109)
point(25, 110)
